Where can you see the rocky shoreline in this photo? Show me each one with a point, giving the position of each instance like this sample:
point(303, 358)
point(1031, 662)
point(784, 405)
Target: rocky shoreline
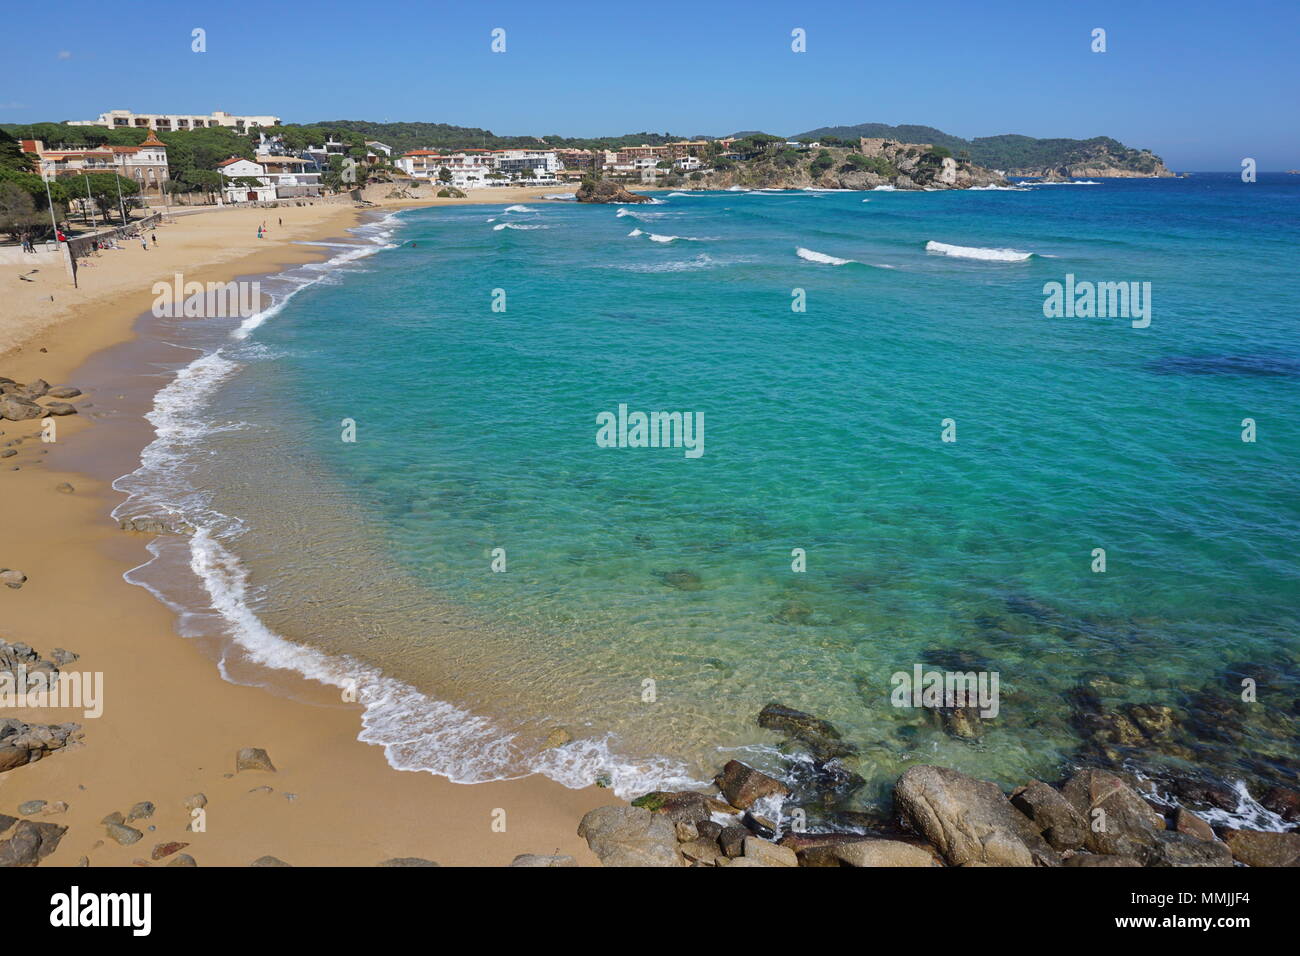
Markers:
point(939, 817)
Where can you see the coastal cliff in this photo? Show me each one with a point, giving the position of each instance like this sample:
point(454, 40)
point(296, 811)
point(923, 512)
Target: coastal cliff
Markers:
point(874, 163)
point(1104, 158)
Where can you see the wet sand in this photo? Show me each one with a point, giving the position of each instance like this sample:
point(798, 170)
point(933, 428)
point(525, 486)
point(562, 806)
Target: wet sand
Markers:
point(171, 726)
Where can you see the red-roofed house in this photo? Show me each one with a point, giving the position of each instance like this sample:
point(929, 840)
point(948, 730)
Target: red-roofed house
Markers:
point(146, 164)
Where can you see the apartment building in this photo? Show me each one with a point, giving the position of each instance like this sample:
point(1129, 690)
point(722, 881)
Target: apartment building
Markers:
point(541, 165)
point(126, 119)
point(469, 168)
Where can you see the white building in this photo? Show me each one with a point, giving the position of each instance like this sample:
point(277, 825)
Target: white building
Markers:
point(125, 119)
point(543, 164)
point(273, 177)
point(469, 169)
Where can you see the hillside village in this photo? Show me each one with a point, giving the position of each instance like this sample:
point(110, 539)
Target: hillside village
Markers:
point(122, 160)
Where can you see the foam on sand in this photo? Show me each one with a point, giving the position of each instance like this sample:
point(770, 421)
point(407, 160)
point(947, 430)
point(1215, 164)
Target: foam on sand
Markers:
point(975, 252)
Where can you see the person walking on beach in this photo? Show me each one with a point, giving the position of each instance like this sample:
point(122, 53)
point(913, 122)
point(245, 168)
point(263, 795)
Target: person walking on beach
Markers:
point(144, 243)
point(259, 232)
point(154, 237)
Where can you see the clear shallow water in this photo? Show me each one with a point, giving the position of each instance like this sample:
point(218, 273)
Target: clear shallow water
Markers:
point(476, 430)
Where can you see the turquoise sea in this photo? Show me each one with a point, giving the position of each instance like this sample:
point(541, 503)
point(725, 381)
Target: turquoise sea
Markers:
point(648, 605)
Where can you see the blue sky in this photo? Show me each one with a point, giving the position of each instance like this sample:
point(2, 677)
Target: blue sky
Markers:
point(1203, 84)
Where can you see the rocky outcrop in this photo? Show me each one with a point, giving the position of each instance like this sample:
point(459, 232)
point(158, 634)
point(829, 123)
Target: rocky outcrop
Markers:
point(605, 191)
point(873, 164)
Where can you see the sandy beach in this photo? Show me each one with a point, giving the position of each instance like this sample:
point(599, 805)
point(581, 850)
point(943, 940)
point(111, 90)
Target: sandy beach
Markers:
point(171, 726)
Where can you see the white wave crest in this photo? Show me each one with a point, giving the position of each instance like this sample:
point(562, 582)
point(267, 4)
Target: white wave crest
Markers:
point(975, 252)
point(821, 257)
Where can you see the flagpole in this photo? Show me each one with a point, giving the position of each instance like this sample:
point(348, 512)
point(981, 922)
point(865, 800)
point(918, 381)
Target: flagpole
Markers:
point(94, 223)
point(53, 222)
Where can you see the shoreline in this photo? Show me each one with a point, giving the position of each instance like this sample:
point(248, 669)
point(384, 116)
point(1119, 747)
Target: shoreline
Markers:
point(171, 724)
point(309, 733)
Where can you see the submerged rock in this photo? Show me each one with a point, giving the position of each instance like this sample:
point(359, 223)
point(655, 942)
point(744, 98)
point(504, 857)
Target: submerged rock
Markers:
point(681, 580)
point(820, 736)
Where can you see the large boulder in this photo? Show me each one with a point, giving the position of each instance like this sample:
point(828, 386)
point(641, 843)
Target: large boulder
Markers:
point(630, 836)
point(1263, 848)
point(1119, 821)
point(1060, 823)
point(686, 806)
point(882, 853)
point(608, 192)
point(769, 854)
point(969, 821)
point(742, 785)
point(1182, 849)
